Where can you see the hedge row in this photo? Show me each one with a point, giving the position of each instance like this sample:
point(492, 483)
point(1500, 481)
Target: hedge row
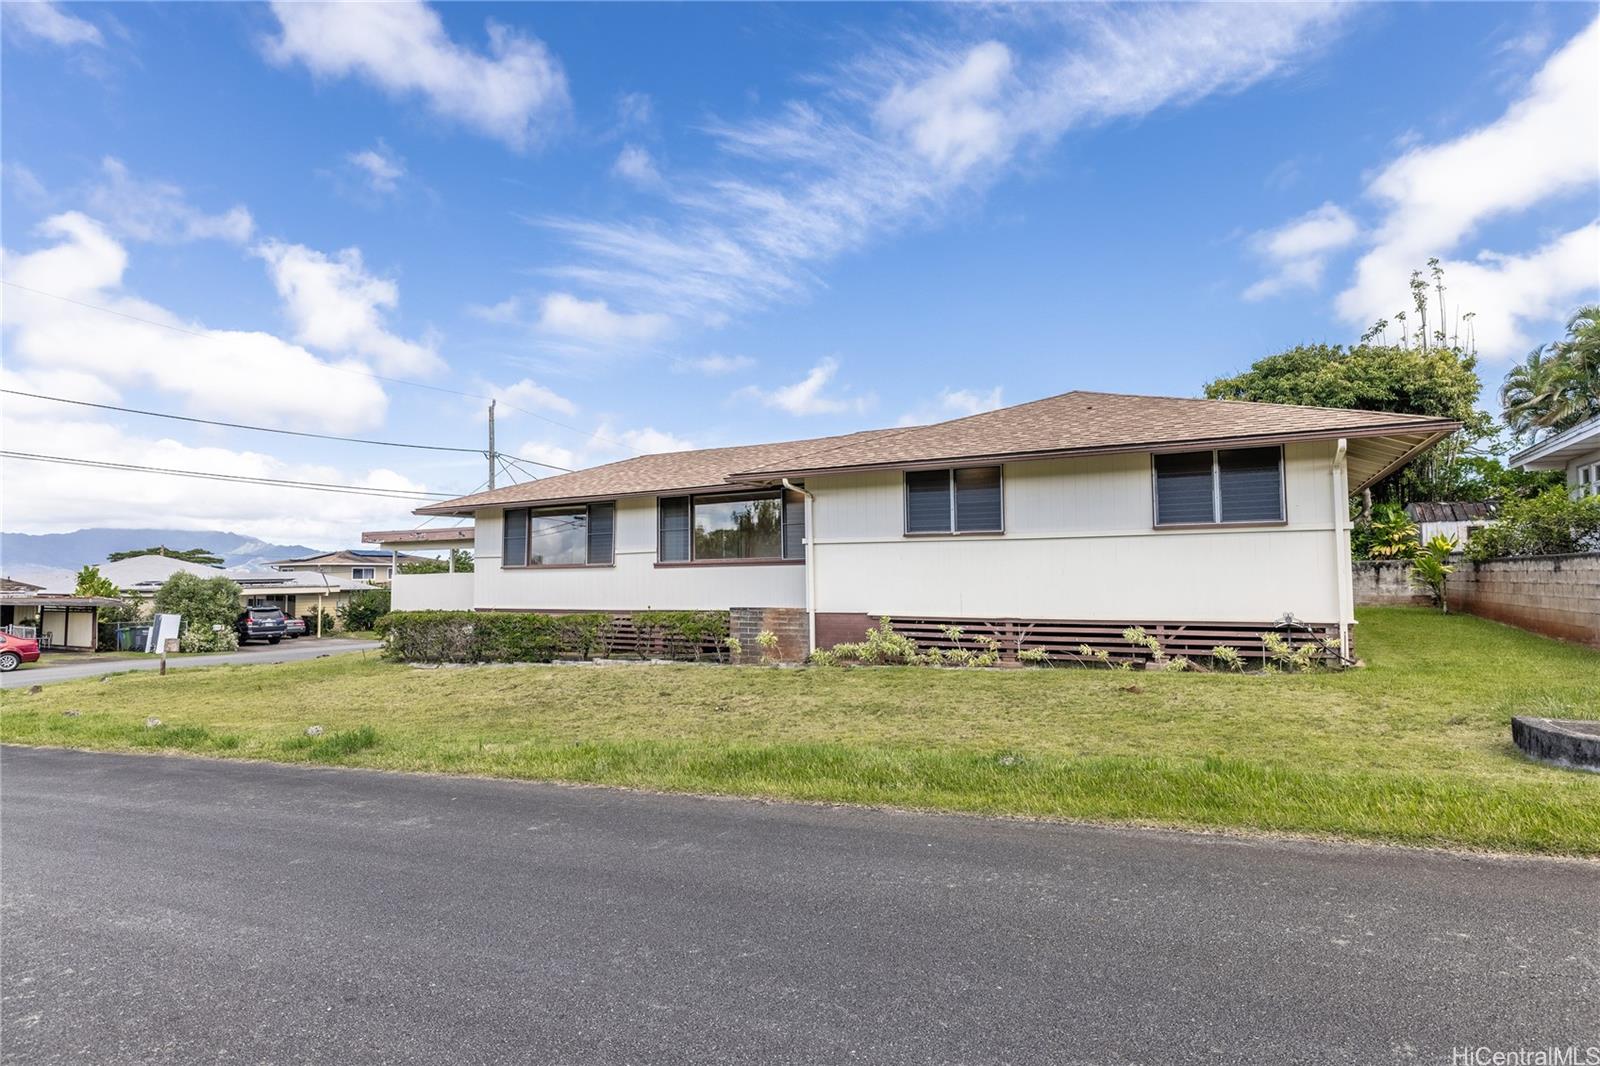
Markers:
point(527, 637)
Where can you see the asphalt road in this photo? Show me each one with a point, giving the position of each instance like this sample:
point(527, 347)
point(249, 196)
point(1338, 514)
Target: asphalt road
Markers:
point(60, 666)
point(175, 910)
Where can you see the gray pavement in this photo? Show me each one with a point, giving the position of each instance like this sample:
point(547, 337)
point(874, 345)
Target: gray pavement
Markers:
point(64, 666)
point(181, 910)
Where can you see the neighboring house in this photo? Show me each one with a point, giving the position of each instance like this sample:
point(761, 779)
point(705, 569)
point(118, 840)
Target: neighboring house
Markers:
point(1456, 520)
point(1575, 450)
point(297, 594)
point(58, 622)
point(358, 564)
point(1068, 518)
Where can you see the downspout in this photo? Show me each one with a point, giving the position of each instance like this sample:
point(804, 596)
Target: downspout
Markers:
point(811, 564)
point(1341, 554)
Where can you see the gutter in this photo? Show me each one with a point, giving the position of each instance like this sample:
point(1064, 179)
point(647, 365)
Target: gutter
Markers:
point(1341, 555)
point(811, 563)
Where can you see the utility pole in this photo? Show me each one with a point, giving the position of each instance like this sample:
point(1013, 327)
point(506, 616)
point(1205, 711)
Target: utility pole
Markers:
point(491, 444)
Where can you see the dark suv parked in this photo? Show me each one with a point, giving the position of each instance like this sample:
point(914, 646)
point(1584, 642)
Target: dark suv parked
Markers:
point(260, 623)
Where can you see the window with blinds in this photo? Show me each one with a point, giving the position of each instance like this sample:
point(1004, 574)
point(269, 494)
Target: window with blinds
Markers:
point(578, 535)
point(672, 524)
point(514, 538)
point(968, 500)
point(1239, 485)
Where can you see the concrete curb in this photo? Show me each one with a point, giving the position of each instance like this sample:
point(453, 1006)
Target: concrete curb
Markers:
point(1565, 742)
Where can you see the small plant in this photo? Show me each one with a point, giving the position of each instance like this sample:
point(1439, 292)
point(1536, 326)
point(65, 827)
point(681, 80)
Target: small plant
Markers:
point(1103, 657)
point(735, 648)
point(882, 647)
point(768, 641)
point(953, 633)
point(1390, 534)
point(1177, 664)
point(1429, 569)
point(1033, 656)
point(1228, 658)
point(1293, 658)
point(202, 639)
point(823, 657)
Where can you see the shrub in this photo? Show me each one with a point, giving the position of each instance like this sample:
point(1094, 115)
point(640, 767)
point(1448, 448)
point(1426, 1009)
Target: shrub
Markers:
point(1033, 656)
point(1390, 534)
point(883, 647)
point(682, 634)
point(202, 601)
point(1227, 658)
point(196, 639)
point(363, 609)
point(768, 641)
point(1430, 570)
point(1551, 523)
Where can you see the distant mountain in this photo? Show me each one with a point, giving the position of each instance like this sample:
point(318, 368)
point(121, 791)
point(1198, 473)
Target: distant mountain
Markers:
point(56, 557)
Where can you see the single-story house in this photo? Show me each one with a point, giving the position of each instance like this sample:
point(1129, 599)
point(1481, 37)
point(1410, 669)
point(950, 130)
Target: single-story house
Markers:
point(1575, 450)
point(1456, 519)
point(1057, 521)
point(58, 622)
point(297, 594)
point(355, 564)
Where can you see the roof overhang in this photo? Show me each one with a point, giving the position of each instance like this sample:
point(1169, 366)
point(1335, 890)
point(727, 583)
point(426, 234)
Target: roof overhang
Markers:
point(59, 601)
point(1555, 452)
point(437, 539)
point(1382, 451)
point(451, 509)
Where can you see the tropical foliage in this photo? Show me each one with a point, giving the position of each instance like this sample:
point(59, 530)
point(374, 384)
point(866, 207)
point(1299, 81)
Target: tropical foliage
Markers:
point(460, 556)
point(202, 601)
point(1558, 384)
point(363, 609)
point(1552, 523)
point(92, 583)
point(1430, 568)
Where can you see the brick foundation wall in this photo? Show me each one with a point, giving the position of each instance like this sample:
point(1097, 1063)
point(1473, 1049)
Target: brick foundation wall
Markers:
point(1556, 595)
point(788, 624)
point(834, 627)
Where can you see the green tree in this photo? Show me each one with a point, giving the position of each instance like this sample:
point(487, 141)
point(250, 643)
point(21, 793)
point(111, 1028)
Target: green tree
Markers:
point(461, 556)
point(202, 601)
point(364, 608)
point(1558, 384)
point(1552, 523)
point(92, 583)
point(188, 555)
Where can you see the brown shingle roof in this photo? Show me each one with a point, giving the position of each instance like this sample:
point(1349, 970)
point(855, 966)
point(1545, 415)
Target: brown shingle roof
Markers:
point(1072, 423)
point(644, 475)
point(1083, 422)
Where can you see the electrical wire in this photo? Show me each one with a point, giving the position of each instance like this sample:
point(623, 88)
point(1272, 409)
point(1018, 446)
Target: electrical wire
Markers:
point(315, 486)
point(341, 369)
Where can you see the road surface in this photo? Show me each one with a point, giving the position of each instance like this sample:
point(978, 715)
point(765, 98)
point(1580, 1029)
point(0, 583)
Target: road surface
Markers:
point(59, 666)
point(177, 910)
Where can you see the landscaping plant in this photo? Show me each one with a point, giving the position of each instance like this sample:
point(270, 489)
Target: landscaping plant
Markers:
point(1430, 569)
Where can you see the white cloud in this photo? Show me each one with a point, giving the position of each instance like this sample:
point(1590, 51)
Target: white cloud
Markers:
point(226, 373)
point(380, 168)
point(506, 311)
point(606, 444)
point(808, 396)
point(514, 94)
point(46, 497)
point(635, 110)
point(637, 166)
point(1298, 250)
point(594, 322)
point(1543, 149)
point(47, 22)
point(714, 365)
point(335, 305)
point(900, 133)
point(954, 403)
point(158, 211)
point(531, 395)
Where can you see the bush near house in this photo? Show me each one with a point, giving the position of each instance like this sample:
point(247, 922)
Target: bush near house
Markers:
point(527, 637)
point(202, 601)
point(1551, 523)
point(363, 609)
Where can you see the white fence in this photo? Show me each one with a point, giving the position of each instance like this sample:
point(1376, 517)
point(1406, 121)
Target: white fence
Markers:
point(431, 592)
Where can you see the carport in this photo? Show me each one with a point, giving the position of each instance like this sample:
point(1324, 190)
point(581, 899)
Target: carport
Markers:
point(59, 623)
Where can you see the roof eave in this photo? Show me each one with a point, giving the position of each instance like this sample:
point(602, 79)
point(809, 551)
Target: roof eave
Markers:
point(1439, 428)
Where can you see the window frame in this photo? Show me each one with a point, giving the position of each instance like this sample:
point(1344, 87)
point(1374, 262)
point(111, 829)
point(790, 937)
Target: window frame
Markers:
point(778, 493)
point(527, 536)
point(371, 572)
point(950, 488)
point(1216, 491)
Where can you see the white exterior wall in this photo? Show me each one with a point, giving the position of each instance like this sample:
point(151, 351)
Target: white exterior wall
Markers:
point(634, 582)
point(1080, 544)
point(432, 592)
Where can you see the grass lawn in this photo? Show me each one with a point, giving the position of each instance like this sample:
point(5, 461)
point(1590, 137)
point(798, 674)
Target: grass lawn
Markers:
point(1415, 748)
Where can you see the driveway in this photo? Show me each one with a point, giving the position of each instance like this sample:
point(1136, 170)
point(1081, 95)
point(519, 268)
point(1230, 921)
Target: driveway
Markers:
point(181, 910)
point(62, 666)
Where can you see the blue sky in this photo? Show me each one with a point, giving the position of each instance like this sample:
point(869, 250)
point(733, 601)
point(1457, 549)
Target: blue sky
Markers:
point(648, 227)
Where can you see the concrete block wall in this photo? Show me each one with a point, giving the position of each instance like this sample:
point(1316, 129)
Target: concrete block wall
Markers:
point(1556, 595)
point(788, 624)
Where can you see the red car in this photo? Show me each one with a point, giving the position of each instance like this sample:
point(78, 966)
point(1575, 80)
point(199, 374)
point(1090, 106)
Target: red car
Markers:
point(14, 651)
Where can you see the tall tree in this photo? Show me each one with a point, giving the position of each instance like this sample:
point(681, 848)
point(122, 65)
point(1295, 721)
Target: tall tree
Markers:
point(1558, 384)
point(188, 555)
point(93, 583)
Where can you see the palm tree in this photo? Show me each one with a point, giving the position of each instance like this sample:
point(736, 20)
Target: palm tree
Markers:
point(1558, 384)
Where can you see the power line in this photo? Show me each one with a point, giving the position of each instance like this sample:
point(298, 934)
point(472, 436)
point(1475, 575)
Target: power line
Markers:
point(330, 366)
point(315, 486)
point(261, 429)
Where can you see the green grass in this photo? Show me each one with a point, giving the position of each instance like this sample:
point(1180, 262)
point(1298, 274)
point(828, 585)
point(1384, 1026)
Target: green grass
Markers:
point(1415, 748)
